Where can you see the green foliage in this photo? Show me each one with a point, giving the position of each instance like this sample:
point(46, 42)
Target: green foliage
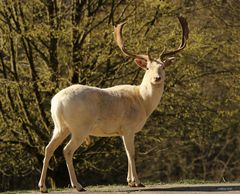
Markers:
point(48, 45)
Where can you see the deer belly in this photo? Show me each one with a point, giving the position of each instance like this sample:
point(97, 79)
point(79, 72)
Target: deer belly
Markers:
point(106, 128)
point(104, 133)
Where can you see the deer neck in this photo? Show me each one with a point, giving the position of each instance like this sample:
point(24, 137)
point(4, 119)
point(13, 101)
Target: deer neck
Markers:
point(151, 94)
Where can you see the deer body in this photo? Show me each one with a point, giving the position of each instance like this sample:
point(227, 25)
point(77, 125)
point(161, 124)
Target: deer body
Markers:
point(84, 111)
point(106, 112)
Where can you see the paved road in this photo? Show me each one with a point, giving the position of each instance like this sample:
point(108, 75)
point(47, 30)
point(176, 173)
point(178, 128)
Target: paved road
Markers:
point(157, 188)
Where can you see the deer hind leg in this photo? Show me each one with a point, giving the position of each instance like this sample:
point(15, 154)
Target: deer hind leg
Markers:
point(132, 178)
point(68, 151)
point(56, 140)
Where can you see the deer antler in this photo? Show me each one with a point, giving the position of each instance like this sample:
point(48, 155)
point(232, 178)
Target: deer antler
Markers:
point(185, 32)
point(120, 43)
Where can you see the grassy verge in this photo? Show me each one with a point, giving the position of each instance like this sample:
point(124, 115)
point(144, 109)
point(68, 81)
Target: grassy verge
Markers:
point(125, 189)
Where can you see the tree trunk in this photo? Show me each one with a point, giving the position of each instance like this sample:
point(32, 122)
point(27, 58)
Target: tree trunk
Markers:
point(76, 39)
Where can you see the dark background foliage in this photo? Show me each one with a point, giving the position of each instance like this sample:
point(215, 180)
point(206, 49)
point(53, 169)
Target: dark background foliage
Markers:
point(48, 45)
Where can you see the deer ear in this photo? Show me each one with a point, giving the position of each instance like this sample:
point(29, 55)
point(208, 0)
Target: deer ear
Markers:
point(141, 63)
point(168, 61)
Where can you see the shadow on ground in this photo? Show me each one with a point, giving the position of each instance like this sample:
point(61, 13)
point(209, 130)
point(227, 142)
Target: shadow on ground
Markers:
point(189, 189)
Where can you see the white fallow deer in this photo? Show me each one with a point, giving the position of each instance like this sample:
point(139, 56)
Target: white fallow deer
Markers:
point(122, 110)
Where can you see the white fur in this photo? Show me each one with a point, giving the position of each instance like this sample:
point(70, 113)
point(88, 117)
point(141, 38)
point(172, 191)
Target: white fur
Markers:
point(84, 111)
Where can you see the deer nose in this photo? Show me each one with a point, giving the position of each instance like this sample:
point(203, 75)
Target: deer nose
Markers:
point(157, 78)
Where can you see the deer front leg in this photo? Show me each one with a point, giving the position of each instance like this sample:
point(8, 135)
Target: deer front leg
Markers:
point(129, 175)
point(132, 178)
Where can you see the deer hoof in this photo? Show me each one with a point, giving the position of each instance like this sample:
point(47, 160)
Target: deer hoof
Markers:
point(133, 184)
point(81, 190)
point(79, 187)
point(43, 189)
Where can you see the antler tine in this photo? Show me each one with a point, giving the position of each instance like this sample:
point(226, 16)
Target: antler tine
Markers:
point(118, 38)
point(163, 51)
point(148, 54)
point(185, 32)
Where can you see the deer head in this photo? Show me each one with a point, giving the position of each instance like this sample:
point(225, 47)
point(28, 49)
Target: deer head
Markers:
point(153, 67)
